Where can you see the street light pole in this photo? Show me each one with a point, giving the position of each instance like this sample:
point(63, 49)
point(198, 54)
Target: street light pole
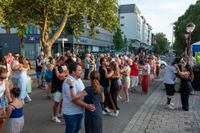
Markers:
point(189, 28)
point(172, 33)
point(63, 44)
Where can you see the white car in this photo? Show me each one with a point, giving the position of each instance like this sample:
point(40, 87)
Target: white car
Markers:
point(163, 64)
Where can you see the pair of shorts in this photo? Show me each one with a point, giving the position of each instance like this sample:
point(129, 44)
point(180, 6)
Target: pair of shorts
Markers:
point(118, 82)
point(3, 102)
point(39, 75)
point(48, 80)
point(57, 96)
point(170, 89)
point(134, 81)
point(126, 82)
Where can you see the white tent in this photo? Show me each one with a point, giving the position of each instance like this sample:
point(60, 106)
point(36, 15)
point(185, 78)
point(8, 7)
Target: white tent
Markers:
point(196, 47)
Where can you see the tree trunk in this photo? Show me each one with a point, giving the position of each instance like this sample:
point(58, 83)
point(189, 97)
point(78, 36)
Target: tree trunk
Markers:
point(47, 50)
point(48, 42)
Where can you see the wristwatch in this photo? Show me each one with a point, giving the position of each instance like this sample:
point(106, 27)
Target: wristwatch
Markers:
point(71, 86)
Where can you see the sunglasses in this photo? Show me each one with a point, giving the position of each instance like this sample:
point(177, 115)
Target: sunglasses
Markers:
point(2, 78)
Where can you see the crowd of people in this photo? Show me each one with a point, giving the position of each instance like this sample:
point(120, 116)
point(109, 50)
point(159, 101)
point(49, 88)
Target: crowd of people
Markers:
point(14, 82)
point(109, 74)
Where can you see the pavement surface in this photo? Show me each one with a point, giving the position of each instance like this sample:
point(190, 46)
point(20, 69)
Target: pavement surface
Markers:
point(155, 117)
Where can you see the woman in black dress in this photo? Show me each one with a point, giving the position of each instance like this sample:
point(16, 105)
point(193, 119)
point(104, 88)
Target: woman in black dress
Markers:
point(92, 95)
point(186, 77)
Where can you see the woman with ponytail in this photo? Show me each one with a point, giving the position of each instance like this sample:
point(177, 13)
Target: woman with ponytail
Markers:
point(93, 95)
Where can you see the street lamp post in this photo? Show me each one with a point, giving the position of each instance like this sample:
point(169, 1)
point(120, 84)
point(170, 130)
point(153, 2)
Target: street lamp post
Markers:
point(63, 44)
point(189, 28)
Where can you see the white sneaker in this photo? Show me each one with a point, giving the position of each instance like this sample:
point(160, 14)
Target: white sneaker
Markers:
point(104, 112)
point(117, 113)
point(170, 106)
point(107, 110)
point(60, 115)
point(55, 119)
point(114, 114)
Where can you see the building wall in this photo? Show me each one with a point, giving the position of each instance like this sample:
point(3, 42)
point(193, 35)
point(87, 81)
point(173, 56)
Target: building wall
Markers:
point(2, 29)
point(133, 25)
point(9, 43)
point(128, 23)
point(32, 41)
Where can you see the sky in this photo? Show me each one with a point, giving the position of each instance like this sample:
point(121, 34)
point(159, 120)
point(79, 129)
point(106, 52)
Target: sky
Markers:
point(160, 14)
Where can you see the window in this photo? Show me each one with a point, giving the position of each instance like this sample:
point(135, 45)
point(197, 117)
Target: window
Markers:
point(7, 30)
point(122, 17)
point(122, 24)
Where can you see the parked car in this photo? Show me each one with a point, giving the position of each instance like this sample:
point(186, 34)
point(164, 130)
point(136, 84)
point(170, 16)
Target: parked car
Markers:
point(163, 57)
point(163, 64)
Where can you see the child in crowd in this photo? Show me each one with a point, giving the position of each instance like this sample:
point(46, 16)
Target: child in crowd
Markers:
point(14, 113)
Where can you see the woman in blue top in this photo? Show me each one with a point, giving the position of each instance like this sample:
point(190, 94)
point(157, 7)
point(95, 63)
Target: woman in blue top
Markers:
point(92, 95)
point(15, 122)
point(48, 76)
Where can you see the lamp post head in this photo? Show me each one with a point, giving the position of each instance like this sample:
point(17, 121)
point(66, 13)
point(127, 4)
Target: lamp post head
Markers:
point(190, 27)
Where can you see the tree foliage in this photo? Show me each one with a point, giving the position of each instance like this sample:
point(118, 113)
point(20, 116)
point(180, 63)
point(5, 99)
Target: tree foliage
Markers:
point(52, 16)
point(118, 40)
point(161, 46)
point(192, 14)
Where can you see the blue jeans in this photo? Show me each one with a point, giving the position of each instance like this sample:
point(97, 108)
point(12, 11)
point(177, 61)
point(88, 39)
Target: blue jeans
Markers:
point(73, 123)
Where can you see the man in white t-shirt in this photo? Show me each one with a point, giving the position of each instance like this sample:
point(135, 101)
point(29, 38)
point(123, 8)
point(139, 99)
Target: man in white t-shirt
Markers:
point(169, 81)
point(73, 110)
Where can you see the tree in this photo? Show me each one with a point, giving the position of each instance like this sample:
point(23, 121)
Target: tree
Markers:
point(192, 14)
point(126, 44)
point(161, 46)
point(52, 16)
point(118, 39)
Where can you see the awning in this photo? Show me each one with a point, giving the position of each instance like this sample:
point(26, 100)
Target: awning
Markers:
point(196, 47)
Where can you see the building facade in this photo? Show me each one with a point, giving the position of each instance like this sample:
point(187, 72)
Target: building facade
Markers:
point(30, 45)
point(135, 28)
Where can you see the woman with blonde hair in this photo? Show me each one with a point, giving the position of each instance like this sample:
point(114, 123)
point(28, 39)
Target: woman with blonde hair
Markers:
point(48, 76)
point(126, 79)
point(92, 95)
point(120, 64)
point(114, 88)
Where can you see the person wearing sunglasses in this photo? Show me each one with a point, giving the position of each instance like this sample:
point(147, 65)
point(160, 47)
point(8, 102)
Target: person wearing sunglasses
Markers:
point(15, 71)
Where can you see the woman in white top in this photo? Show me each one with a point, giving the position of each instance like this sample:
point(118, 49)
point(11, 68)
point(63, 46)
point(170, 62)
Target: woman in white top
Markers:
point(23, 67)
point(126, 79)
point(4, 94)
point(15, 71)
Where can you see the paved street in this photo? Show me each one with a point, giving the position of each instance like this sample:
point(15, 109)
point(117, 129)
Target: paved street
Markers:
point(38, 113)
point(154, 117)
